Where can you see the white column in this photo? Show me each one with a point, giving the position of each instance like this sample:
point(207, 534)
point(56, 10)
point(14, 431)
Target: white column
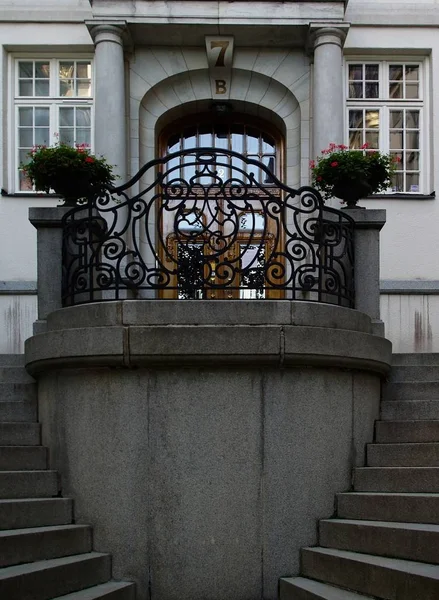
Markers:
point(110, 111)
point(327, 94)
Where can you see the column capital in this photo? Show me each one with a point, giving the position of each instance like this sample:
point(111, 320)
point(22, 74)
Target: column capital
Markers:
point(105, 31)
point(327, 33)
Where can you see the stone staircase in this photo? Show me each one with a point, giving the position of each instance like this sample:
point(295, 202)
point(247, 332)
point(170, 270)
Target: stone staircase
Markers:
point(44, 555)
point(384, 541)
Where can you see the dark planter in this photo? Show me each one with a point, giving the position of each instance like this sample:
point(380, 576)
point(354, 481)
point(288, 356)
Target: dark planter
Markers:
point(352, 191)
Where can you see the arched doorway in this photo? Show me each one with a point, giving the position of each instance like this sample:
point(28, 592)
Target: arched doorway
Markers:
point(197, 240)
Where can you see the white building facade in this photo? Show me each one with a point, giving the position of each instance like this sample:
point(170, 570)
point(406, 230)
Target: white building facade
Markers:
point(277, 81)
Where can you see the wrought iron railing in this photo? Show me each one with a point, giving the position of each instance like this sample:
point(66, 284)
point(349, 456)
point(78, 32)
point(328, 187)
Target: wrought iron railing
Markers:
point(207, 224)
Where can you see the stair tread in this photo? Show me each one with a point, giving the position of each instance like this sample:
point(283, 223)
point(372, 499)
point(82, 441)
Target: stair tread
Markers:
point(325, 590)
point(97, 590)
point(398, 564)
point(386, 524)
point(399, 494)
point(42, 565)
point(43, 529)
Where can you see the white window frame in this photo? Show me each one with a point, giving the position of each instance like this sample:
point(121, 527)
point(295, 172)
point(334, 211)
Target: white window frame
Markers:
point(384, 104)
point(54, 101)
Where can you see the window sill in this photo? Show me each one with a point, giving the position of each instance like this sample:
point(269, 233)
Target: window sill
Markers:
point(7, 194)
point(402, 196)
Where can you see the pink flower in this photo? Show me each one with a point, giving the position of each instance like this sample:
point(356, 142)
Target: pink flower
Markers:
point(319, 178)
point(89, 159)
point(365, 146)
point(397, 159)
point(332, 146)
point(312, 164)
point(342, 147)
point(334, 164)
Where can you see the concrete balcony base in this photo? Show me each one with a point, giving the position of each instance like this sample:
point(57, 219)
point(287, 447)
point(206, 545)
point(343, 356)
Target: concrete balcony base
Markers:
point(203, 440)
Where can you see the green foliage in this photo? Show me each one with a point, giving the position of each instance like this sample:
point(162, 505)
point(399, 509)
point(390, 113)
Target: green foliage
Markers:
point(338, 165)
point(70, 171)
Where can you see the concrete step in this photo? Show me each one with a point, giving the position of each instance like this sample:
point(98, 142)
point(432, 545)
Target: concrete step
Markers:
point(375, 506)
point(12, 360)
point(402, 455)
point(15, 375)
point(18, 411)
point(17, 392)
point(406, 410)
point(416, 359)
point(411, 390)
point(396, 479)
point(19, 513)
point(28, 484)
point(411, 541)
point(20, 434)
point(19, 546)
point(407, 431)
point(300, 588)
point(48, 579)
point(414, 373)
point(17, 458)
point(113, 590)
point(377, 576)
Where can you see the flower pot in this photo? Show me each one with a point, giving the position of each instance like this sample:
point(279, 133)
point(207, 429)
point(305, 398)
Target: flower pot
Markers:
point(351, 191)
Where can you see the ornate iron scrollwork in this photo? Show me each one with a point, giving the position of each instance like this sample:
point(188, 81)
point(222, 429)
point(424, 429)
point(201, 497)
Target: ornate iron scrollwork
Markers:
point(203, 226)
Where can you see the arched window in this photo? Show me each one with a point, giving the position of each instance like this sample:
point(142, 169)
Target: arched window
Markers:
point(250, 137)
point(194, 234)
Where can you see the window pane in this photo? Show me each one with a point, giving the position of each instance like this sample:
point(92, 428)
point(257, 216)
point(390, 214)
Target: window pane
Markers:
point(356, 72)
point(355, 90)
point(412, 119)
point(372, 72)
point(395, 90)
point(41, 88)
point(25, 88)
point(412, 73)
point(42, 116)
point(398, 182)
point(221, 138)
point(268, 145)
point(23, 156)
point(412, 90)
point(396, 119)
point(25, 183)
point(355, 139)
point(412, 161)
point(253, 169)
point(25, 116)
point(83, 136)
point(174, 144)
point(42, 70)
point(395, 72)
point(412, 139)
point(66, 136)
point(238, 142)
point(398, 158)
point(26, 69)
point(25, 138)
point(355, 119)
point(269, 162)
point(371, 90)
point(66, 70)
point(83, 70)
point(83, 116)
point(372, 138)
point(372, 119)
point(412, 182)
point(66, 116)
point(396, 140)
point(83, 88)
point(42, 136)
point(66, 87)
point(252, 142)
